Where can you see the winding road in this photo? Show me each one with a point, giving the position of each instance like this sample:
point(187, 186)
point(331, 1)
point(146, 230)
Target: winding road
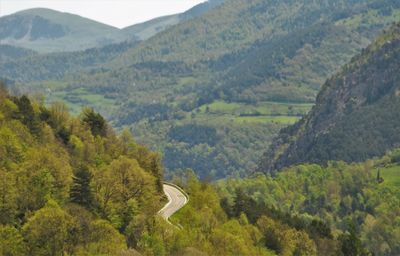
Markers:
point(176, 200)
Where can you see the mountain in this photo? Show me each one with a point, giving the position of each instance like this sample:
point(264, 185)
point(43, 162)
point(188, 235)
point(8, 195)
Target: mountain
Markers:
point(23, 66)
point(241, 71)
point(46, 30)
point(150, 28)
point(356, 112)
point(237, 73)
point(11, 53)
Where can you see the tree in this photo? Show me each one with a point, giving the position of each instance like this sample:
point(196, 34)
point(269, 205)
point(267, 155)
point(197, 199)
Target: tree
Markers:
point(96, 122)
point(27, 115)
point(379, 179)
point(81, 192)
point(45, 173)
point(11, 242)
point(8, 206)
point(103, 239)
point(120, 182)
point(46, 232)
point(156, 170)
point(350, 242)
point(245, 204)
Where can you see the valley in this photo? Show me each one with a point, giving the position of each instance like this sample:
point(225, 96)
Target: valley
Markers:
point(258, 127)
point(169, 79)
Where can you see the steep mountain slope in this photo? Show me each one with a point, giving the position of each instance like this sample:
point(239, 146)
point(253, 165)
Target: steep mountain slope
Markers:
point(242, 70)
point(47, 30)
point(150, 28)
point(356, 114)
point(54, 66)
point(60, 174)
point(260, 51)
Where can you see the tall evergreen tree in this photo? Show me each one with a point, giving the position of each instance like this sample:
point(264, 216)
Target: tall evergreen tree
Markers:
point(96, 122)
point(27, 115)
point(80, 192)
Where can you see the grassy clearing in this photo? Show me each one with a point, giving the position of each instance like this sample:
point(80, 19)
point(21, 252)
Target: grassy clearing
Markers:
point(183, 81)
point(263, 112)
point(268, 119)
point(263, 108)
point(79, 98)
point(391, 175)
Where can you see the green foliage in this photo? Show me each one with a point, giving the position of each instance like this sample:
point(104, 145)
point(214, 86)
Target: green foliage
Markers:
point(351, 243)
point(11, 241)
point(46, 232)
point(52, 31)
point(81, 192)
point(205, 227)
point(243, 52)
point(322, 201)
point(339, 127)
point(65, 189)
point(96, 122)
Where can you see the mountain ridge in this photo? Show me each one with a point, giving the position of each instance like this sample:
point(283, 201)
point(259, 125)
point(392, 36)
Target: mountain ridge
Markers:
point(355, 114)
point(46, 30)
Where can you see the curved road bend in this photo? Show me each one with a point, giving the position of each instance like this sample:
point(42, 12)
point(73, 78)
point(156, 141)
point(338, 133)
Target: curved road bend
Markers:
point(176, 200)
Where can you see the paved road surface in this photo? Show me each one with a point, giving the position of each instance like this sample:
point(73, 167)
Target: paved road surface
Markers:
point(176, 200)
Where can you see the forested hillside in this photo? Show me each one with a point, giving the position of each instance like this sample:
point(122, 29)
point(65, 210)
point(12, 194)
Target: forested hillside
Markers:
point(346, 209)
point(46, 30)
point(208, 91)
point(243, 69)
point(10, 53)
point(71, 185)
point(152, 27)
point(22, 65)
point(356, 114)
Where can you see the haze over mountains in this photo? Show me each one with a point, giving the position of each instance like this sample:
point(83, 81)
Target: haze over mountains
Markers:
point(46, 30)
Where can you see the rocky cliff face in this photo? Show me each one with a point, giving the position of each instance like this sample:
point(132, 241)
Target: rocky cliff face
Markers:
point(356, 116)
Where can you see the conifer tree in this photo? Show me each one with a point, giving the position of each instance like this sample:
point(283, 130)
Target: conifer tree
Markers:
point(80, 192)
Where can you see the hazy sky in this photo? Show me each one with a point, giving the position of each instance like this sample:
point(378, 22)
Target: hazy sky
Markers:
point(118, 13)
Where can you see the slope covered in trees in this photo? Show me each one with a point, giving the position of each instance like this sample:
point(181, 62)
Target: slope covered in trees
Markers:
point(71, 185)
point(346, 209)
point(46, 30)
point(152, 27)
point(356, 114)
point(244, 68)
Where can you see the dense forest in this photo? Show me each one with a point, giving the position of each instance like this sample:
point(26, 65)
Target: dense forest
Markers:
point(356, 114)
point(71, 186)
point(315, 83)
point(252, 63)
point(346, 209)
